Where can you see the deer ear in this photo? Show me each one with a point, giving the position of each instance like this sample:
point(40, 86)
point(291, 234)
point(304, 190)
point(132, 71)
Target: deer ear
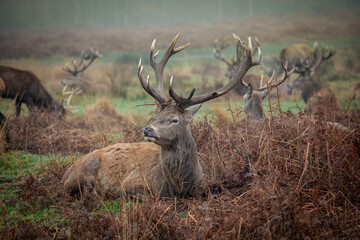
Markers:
point(248, 90)
point(193, 111)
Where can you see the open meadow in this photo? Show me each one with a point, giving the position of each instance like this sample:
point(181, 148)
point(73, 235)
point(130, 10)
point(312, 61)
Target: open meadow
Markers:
point(289, 176)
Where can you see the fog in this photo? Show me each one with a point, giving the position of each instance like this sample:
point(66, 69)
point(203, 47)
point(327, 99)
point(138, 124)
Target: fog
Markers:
point(48, 14)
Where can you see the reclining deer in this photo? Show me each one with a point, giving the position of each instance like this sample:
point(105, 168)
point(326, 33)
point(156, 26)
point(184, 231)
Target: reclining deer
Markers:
point(306, 82)
point(311, 92)
point(253, 97)
point(167, 164)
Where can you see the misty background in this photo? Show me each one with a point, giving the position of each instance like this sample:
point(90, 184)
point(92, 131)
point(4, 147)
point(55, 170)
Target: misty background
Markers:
point(47, 14)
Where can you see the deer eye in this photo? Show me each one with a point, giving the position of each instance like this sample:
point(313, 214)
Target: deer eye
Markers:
point(175, 121)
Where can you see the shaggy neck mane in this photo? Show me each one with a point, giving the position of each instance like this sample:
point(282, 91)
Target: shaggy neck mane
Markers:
point(256, 107)
point(179, 164)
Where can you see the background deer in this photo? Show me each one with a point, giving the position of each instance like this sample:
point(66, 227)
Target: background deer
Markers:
point(170, 166)
point(252, 79)
point(25, 87)
point(77, 68)
point(253, 97)
point(306, 81)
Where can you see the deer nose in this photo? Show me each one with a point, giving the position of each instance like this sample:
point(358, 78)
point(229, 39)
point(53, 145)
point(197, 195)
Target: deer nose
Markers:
point(147, 131)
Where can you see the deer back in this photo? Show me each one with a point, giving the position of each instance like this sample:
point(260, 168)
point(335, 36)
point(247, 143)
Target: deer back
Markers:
point(324, 98)
point(296, 54)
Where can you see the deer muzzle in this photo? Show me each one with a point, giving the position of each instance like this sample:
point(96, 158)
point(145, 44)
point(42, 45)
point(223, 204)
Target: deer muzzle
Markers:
point(149, 134)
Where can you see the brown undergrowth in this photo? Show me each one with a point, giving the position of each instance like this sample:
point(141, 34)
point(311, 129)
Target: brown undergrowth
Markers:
point(289, 177)
point(99, 117)
point(43, 134)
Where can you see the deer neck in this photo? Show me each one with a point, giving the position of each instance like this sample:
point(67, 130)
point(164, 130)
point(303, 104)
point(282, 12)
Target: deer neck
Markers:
point(257, 111)
point(180, 165)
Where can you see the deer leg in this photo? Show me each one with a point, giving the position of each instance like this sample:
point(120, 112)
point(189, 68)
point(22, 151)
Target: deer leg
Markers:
point(30, 105)
point(18, 106)
point(134, 184)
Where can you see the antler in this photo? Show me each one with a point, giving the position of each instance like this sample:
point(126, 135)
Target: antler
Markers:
point(218, 48)
point(87, 58)
point(326, 53)
point(217, 53)
point(70, 94)
point(286, 75)
point(158, 93)
point(242, 64)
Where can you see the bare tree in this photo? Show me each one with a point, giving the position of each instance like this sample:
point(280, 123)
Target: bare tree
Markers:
point(167, 164)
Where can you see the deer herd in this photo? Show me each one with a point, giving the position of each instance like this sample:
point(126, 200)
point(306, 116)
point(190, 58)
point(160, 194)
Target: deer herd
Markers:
point(166, 165)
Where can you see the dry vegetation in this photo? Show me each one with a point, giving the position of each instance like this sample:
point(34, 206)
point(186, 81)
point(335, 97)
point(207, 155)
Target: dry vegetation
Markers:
point(288, 177)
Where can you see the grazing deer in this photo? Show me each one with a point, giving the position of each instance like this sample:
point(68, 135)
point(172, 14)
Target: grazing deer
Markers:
point(306, 82)
point(25, 87)
point(253, 97)
point(167, 164)
point(252, 79)
point(73, 82)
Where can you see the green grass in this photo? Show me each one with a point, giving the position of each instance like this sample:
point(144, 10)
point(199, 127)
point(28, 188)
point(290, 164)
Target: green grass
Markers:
point(15, 167)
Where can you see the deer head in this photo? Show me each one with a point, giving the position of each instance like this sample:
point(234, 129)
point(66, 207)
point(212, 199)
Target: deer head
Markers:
point(253, 98)
point(173, 115)
point(306, 81)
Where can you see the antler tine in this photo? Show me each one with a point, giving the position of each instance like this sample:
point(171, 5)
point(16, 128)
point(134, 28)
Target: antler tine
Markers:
point(286, 76)
point(159, 67)
point(92, 56)
point(81, 66)
point(146, 85)
point(217, 52)
point(243, 64)
point(67, 69)
point(326, 53)
point(257, 45)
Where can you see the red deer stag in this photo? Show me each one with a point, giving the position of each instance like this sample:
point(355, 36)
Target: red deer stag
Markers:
point(167, 164)
point(25, 87)
point(252, 79)
point(253, 97)
point(306, 82)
